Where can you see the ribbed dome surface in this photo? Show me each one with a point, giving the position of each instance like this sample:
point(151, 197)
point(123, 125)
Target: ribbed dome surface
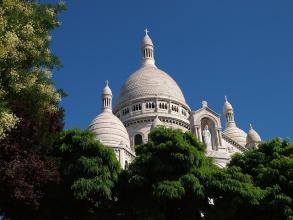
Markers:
point(252, 136)
point(149, 81)
point(110, 130)
point(236, 134)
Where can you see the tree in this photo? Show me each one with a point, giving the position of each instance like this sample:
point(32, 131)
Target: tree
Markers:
point(26, 61)
point(271, 168)
point(88, 173)
point(29, 112)
point(171, 178)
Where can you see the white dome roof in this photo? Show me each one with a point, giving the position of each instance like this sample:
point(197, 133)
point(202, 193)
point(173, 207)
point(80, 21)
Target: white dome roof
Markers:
point(227, 106)
point(110, 130)
point(236, 134)
point(147, 41)
point(149, 81)
point(252, 136)
point(107, 90)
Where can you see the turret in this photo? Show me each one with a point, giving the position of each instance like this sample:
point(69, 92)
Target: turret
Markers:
point(107, 98)
point(147, 49)
point(229, 113)
point(253, 138)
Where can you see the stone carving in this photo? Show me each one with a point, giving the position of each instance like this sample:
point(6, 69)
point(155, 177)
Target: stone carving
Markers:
point(207, 137)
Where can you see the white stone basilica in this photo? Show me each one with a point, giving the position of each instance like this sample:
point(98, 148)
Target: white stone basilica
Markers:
point(150, 97)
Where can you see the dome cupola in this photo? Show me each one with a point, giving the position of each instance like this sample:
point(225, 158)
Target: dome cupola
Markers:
point(107, 98)
point(231, 130)
point(252, 138)
point(227, 106)
point(149, 81)
point(107, 91)
point(147, 93)
point(229, 113)
point(107, 127)
point(147, 49)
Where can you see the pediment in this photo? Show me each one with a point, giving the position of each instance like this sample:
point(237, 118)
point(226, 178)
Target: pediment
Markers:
point(207, 110)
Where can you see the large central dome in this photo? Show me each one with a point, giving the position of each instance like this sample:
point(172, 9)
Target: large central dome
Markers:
point(150, 97)
point(149, 81)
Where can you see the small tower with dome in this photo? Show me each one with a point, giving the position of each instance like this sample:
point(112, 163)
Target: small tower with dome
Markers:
point(232, 131)
point(110, 130)
point(252, 139)
point(147, 49)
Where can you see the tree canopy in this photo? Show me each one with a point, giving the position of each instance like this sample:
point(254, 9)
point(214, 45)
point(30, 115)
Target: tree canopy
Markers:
point(271, 168)
point(171, 178)
point(29, 113)
point(88, 173)
point(26, 88)
point(49, 173)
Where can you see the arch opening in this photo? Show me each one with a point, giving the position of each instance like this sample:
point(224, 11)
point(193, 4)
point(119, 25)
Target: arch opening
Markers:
point(209, 133)
point(137, 139)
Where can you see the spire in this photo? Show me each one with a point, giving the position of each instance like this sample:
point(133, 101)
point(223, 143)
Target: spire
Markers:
point(107, 97)
point(229, 113)
point(147, 49)
point(250, 126)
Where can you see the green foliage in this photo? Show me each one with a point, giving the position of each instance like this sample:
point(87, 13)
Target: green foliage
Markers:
point(26, 62)
point(88, 173)
point(271, 168)
point(171, 178)
point(29, 112)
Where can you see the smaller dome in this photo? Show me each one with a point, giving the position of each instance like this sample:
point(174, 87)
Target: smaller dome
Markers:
point(110, 130)
point(147, 40)
point(227, 106)
point(252, 136)
point(157, 122)
point(236, 134)
point(107, 90)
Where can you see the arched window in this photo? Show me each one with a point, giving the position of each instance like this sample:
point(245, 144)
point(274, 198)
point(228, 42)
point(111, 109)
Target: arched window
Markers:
point(126, 164)
point(137, 139)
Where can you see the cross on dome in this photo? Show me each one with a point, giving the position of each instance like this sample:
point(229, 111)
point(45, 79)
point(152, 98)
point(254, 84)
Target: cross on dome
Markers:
point(106, 83)
point(146, 31)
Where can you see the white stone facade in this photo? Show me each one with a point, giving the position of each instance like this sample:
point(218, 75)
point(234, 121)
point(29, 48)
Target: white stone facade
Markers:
point(150, 97)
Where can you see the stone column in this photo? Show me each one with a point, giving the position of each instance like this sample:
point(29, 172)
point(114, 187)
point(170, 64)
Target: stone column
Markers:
point(200, 135)
point(219, 137)
point(169, 107)
point(143, 106)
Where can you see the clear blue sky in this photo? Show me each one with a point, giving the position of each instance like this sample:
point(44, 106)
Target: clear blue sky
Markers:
point(242, 49)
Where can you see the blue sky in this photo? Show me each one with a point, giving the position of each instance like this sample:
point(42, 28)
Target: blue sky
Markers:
point(242, 49)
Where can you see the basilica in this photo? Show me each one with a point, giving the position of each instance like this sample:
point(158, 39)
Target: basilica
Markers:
point(150, 98)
